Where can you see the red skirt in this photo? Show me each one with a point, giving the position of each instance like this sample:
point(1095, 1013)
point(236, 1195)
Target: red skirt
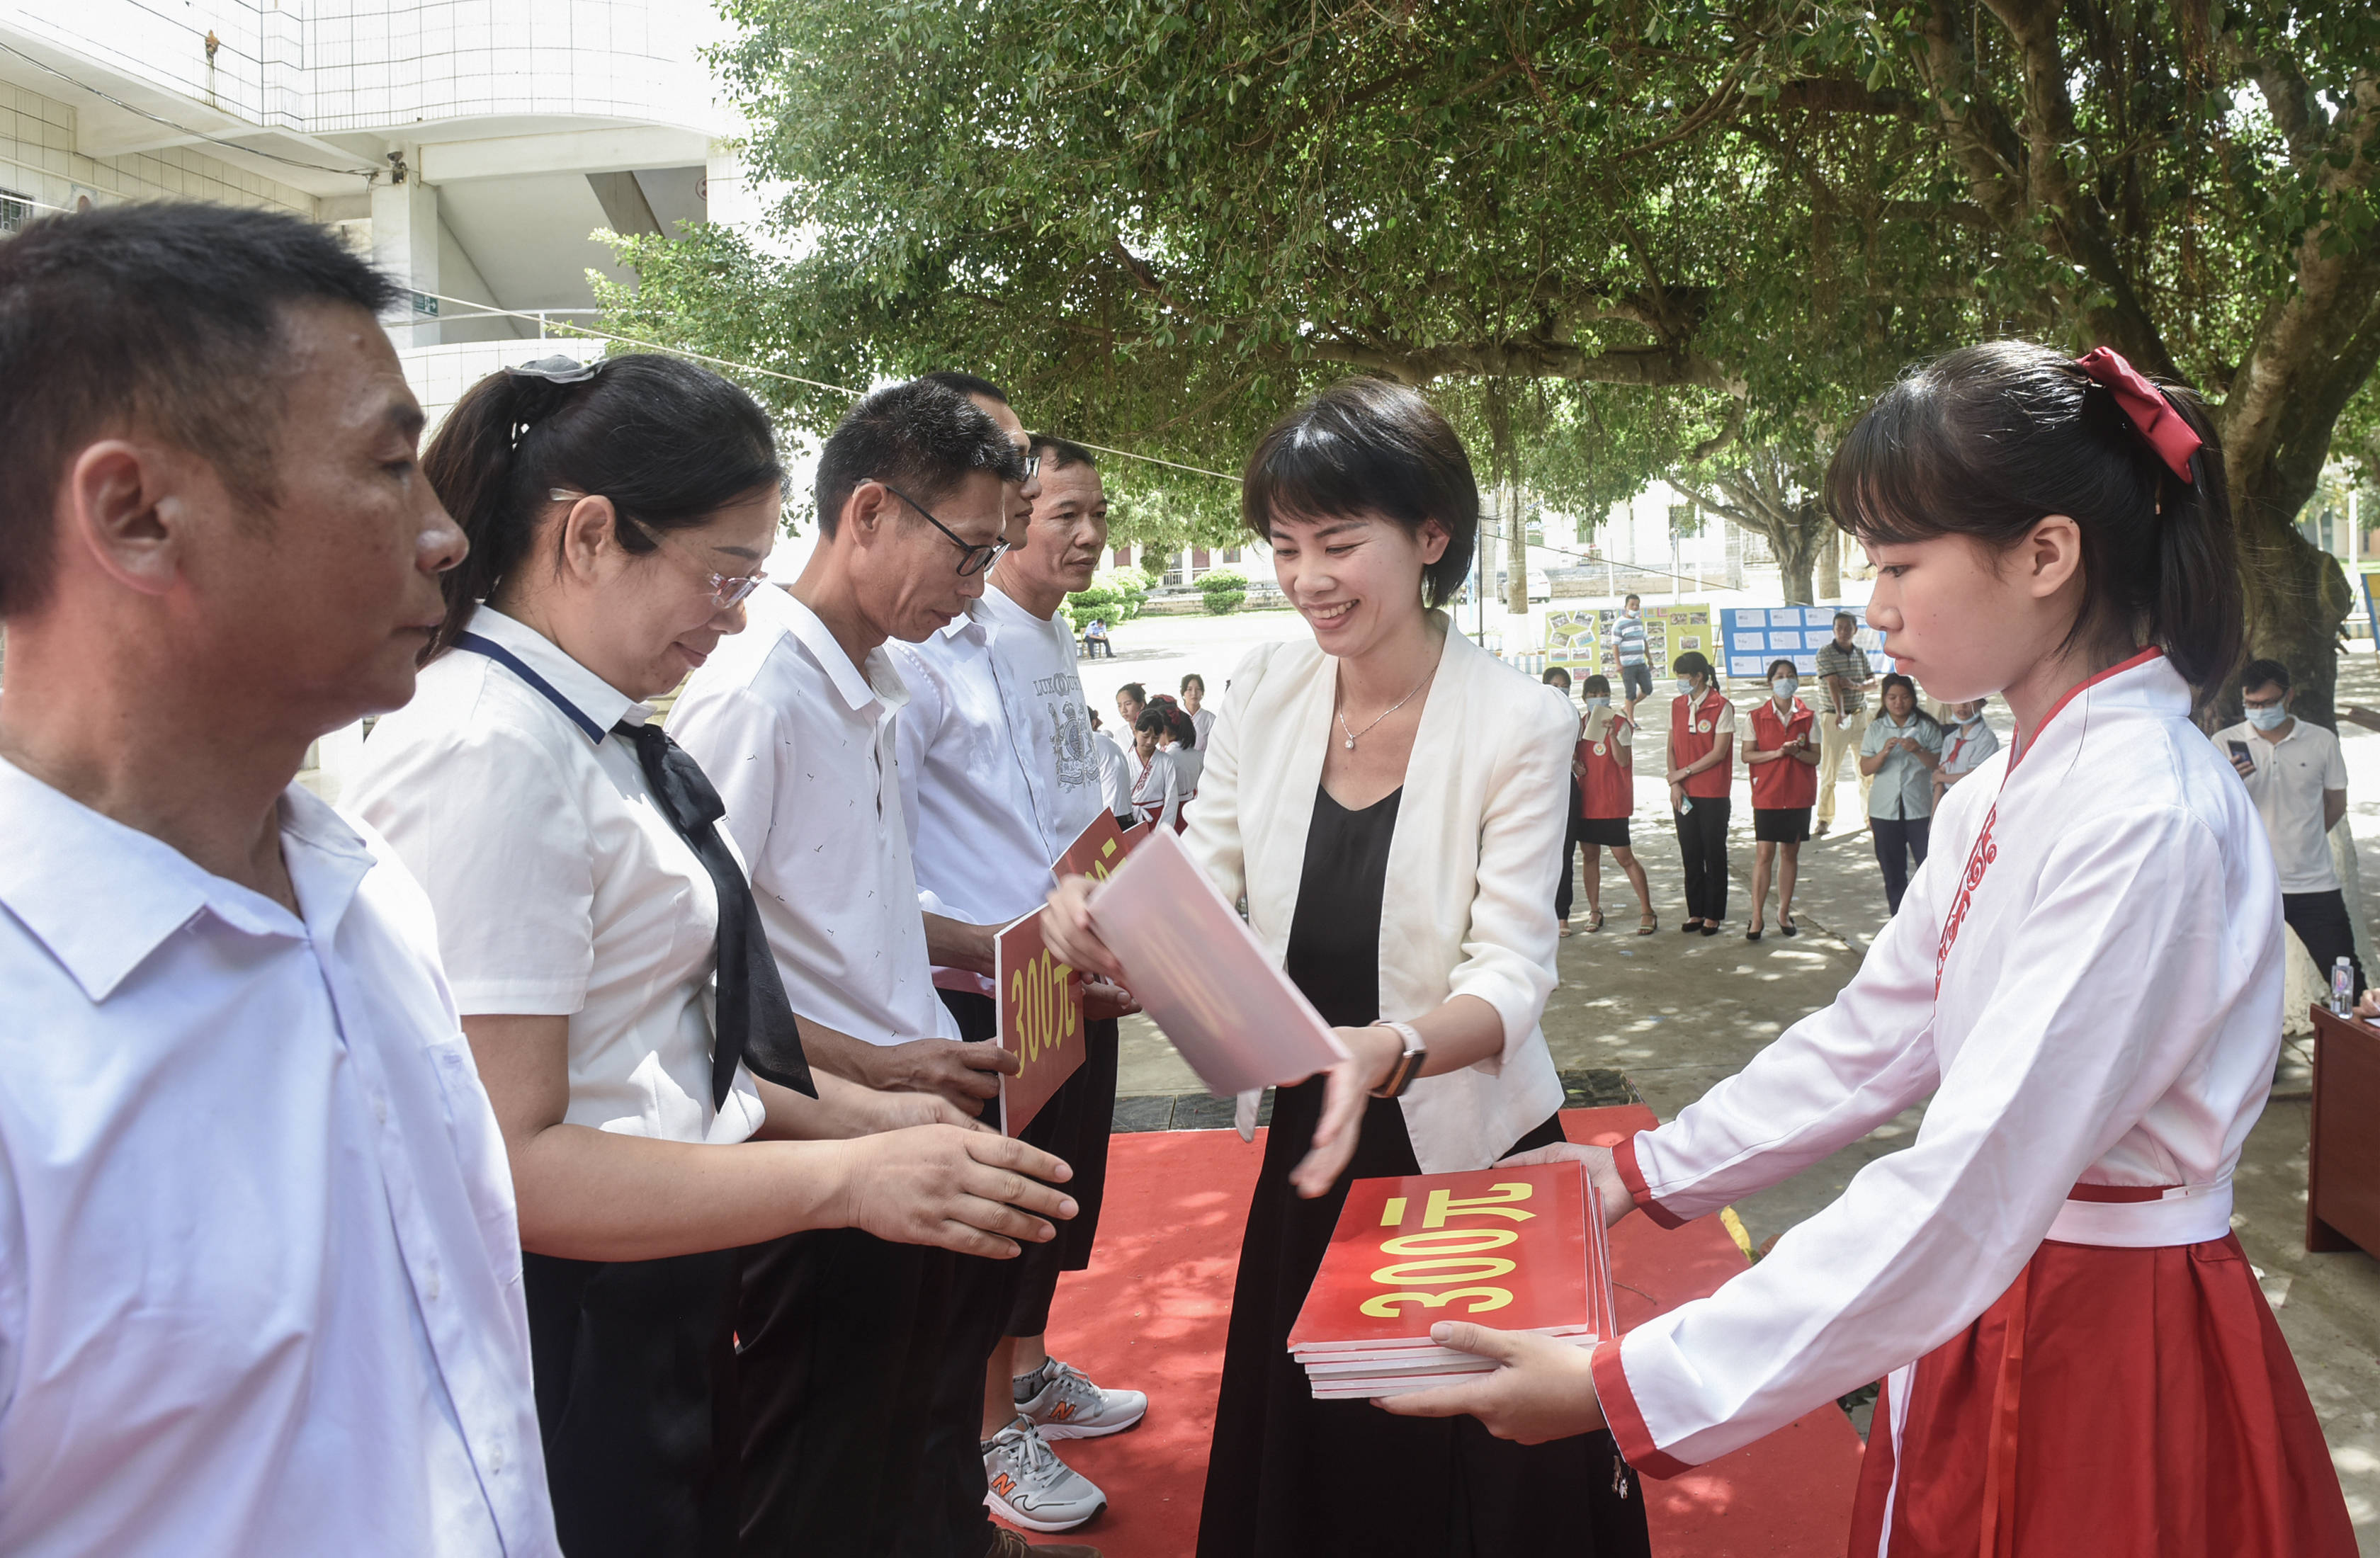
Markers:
point(2116, 1403)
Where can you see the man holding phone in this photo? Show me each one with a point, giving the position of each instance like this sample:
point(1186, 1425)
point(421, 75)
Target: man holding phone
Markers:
point(2298, 782)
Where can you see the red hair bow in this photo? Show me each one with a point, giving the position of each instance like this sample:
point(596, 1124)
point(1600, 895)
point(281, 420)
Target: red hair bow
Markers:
point(2152, 416)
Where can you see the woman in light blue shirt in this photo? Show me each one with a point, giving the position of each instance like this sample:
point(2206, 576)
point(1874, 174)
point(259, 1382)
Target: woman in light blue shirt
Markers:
point(1899, 754)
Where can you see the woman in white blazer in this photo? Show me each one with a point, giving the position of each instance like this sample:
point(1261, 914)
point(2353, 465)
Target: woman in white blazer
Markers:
point(1388, 750)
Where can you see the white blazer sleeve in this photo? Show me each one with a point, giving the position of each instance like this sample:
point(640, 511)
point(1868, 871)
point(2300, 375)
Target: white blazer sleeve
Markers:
point(1509, 947)
point(2130, 964)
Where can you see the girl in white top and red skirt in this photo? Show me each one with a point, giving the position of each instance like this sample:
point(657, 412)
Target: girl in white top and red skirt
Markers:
point(2084, 978)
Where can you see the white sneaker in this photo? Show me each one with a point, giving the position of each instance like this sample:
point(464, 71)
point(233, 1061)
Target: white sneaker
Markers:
point(1069, 1406)
point(1029, 1486)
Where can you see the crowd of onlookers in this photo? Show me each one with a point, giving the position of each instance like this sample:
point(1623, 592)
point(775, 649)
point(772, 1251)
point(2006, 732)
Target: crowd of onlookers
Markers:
point(1792, 751)
point(1905, 757)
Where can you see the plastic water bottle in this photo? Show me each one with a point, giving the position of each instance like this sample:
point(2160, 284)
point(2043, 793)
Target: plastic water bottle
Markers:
point(2342, 988)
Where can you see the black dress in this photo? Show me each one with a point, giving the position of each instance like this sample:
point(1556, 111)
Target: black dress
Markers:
point(1291, 1477)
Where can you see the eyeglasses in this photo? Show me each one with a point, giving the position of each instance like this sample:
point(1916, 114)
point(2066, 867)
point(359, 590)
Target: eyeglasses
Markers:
point(727, 590)
point(1032, 466)
point(974, 558)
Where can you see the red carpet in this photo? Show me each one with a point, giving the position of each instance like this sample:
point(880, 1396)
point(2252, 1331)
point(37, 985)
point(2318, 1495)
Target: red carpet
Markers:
point(1150, 1314)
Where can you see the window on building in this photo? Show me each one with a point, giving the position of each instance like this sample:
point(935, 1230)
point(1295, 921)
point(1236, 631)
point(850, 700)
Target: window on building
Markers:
point(1231, 557)
point(16, 210)
point(1199, 560)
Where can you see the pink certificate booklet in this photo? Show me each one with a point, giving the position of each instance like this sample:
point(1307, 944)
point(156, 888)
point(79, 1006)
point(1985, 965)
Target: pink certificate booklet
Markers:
point(1204, 977)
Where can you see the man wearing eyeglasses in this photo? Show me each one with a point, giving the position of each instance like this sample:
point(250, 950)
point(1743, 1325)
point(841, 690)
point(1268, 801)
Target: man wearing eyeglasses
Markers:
point(845, 1340)
point(1000, 775)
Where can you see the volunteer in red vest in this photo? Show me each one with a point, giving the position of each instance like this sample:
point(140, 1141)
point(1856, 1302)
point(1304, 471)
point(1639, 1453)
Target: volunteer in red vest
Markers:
point(1702, 754)
point(1783, 758)
point(1604, 766)
point(2078, 1356)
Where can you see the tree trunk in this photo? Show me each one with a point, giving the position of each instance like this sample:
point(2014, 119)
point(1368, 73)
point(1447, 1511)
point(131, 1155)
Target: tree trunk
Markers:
point(1516, 527)
point(2298, 596)
point(1830, 567)
point(1793, 568)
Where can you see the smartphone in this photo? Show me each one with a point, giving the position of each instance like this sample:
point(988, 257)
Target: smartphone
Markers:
point(2240, 753)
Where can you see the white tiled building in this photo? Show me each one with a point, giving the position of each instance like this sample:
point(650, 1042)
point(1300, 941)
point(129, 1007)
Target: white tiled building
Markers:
point(471, 146)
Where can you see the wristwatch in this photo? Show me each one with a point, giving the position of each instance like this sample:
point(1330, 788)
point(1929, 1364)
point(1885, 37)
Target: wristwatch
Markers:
point(1401, 1076)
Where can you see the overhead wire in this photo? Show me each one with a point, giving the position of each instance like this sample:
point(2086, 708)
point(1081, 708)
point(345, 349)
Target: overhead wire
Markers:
point(545, 319)
point(105, 96)
point(591, 333)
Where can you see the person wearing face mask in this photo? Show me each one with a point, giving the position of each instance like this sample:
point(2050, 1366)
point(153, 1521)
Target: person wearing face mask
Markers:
point(1389, 750)
point(1784, 763)
point(1967, 742)
point(1604, 782)
point(2298, 779)
point(607, 954)
point(1702, 748)
point(1899, 754)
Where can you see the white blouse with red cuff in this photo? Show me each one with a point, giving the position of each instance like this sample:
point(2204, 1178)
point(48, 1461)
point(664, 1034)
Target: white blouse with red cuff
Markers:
point(2102, 920)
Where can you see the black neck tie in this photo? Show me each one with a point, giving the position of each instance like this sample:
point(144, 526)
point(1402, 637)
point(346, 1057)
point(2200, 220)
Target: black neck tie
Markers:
point(756, 1022)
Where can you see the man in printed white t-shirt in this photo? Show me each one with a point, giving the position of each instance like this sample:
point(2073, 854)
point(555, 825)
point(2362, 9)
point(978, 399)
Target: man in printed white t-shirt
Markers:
point(1001, 775)
point(2299, 782)
point(259, 1278)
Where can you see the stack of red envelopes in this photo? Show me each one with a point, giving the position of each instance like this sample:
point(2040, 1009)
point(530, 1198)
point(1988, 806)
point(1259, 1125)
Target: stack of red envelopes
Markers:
point(1511, 1248)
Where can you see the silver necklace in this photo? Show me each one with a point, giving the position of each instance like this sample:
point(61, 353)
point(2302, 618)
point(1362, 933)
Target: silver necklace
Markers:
point(1386, 712)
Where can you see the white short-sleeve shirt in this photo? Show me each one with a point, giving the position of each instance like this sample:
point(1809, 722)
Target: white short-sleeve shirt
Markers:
point(2291, 774)
point(998, 771)
point(798, 741)
point(260, 1272)
point(561, 886)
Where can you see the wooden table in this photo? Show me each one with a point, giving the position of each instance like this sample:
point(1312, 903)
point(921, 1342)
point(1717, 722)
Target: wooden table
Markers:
point(2343, 1161)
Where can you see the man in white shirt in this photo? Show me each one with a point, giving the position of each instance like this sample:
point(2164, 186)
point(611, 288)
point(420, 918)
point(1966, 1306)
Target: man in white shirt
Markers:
point(1000, 776)
point(259, 1281)
point(2299, 782)
point(845, 1338)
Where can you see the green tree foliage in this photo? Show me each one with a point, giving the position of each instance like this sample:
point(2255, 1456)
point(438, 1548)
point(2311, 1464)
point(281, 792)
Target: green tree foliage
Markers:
point(1618, 237)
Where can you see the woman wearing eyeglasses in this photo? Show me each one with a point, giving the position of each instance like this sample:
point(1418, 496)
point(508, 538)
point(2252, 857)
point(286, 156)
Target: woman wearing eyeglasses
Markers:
point(601, 942)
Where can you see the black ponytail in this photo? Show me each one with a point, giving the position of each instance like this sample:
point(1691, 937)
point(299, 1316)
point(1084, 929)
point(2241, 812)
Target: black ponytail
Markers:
point(1986, 441)
point(668, 441)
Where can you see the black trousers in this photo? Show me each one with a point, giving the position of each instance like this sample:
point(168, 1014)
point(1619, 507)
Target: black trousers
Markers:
point(1702, 844)
point(993, 1299)
point(636, 1404)
point(2320, 922)
point(1570, 852)
point(1897, 839)
point(840, 1337)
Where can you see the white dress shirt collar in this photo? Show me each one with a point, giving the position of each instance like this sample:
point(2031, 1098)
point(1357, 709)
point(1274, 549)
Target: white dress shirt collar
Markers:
point(878, 684)
point(68, 857)
point(276, 1223)
point(598, 705)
